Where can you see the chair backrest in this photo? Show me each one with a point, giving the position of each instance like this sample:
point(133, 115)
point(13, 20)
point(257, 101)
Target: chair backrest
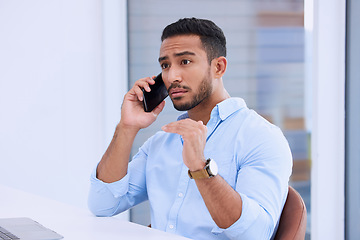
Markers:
point(292, 224)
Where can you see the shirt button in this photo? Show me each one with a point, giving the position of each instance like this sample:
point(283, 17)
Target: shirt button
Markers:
point(171, 226)
point(181, 195)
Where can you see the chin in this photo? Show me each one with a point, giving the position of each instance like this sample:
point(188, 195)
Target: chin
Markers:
point(185, 106)
point(181, 107)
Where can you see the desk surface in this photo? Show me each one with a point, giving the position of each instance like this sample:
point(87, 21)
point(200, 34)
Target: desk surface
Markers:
point(72, 222)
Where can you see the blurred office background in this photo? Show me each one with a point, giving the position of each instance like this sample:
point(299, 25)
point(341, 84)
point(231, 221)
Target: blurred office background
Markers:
point(266, 66)
point(65, 66)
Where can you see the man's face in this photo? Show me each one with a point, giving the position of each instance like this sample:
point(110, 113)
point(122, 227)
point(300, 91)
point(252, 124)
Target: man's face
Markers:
point(185, 71)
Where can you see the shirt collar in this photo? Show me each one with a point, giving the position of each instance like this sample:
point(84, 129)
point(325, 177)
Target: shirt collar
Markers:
point(223, 109)
point(229, 106)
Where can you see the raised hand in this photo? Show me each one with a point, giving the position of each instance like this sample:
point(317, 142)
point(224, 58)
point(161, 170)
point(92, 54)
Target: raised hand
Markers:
point(132, 110)
point(194, 134)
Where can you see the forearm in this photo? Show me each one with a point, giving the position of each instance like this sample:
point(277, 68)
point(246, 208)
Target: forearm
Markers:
point(114, 163)
point(222, 201)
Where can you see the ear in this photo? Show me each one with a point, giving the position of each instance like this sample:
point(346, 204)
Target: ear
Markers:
point(219, 66)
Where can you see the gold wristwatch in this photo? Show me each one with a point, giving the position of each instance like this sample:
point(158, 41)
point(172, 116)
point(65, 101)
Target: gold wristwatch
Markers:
point(210, 170)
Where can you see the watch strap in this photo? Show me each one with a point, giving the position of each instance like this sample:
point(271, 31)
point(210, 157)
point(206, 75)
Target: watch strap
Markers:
point(200, 174)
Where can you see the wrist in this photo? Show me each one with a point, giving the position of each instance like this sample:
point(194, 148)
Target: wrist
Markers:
point(126, 129)
point(198, 166)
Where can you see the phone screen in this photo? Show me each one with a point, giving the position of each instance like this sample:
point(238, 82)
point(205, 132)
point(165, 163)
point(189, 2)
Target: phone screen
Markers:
point(157, 94)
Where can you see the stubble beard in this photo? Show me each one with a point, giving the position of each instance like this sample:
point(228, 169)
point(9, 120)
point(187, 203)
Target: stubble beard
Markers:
point(204, 91)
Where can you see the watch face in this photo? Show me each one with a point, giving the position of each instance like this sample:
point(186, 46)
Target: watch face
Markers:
point(213, 168)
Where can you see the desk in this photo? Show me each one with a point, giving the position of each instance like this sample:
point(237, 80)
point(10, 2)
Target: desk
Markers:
point(71, 222)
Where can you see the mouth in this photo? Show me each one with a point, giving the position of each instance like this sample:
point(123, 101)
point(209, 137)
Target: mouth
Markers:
point(177, 92)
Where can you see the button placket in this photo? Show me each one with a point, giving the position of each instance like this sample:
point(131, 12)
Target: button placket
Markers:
point(175, 209)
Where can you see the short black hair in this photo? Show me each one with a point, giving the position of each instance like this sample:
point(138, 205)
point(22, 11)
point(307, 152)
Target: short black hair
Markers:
point(211, 36)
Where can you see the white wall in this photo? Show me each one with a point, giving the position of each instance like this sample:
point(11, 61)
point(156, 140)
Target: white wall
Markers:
point(328, 135)
point(52, 88)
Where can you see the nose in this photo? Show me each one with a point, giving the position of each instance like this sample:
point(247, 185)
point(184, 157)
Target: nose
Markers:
point(174, 75)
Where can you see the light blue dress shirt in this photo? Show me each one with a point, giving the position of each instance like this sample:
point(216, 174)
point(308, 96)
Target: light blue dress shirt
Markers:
point(253, 156)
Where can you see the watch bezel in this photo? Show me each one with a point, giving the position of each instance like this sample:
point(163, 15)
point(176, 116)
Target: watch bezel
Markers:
point(211, 168)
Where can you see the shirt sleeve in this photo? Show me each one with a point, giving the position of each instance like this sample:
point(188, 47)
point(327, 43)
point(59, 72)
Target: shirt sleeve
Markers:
point(108, 199)
point(262, 182)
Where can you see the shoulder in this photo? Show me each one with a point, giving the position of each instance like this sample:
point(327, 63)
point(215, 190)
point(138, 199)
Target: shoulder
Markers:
point(256, 134)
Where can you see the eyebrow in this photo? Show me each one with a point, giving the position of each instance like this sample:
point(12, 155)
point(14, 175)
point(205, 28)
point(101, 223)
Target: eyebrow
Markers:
point(177, 55)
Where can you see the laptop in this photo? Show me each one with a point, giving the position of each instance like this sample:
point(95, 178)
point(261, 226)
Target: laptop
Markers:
point(25, 229)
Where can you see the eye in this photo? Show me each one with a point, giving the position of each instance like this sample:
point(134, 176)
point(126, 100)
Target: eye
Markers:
point(185, 61)
point(164, 65)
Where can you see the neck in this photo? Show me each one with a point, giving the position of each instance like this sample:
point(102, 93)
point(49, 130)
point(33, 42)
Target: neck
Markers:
point(202, 111)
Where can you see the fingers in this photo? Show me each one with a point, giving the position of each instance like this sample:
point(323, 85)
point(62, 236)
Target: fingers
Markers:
point(158, 109)
point(186, 127)
point(140, 84)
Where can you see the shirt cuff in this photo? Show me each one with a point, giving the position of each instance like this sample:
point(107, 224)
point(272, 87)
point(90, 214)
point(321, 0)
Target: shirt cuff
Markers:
point(249, 214)
point(118, 188)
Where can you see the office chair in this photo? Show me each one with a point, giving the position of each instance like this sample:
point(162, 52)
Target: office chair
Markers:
point(292, 224)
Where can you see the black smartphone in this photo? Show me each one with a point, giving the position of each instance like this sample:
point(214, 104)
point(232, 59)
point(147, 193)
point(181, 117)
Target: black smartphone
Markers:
point(157, 94)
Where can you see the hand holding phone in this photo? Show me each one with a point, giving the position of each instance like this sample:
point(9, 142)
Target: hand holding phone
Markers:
point(157, 94)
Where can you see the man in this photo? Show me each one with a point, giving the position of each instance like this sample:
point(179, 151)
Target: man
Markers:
point(220, 172)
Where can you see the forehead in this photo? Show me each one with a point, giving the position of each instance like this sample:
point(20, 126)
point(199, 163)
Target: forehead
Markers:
point(172, 46)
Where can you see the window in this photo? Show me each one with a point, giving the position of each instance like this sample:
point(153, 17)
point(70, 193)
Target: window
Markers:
point(265, 41)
